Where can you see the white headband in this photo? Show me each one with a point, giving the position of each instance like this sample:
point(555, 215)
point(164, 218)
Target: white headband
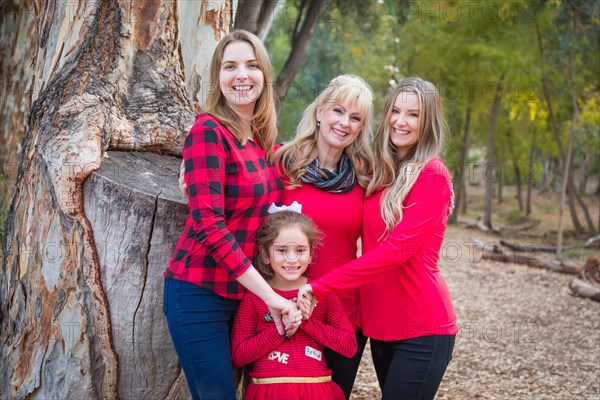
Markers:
point(295, 207)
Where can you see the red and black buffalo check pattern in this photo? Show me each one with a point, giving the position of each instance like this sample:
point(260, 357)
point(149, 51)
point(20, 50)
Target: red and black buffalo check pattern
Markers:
point(230, 188)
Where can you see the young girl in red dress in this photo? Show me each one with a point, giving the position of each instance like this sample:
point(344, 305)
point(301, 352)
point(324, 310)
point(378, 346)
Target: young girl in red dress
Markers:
point(289, 365)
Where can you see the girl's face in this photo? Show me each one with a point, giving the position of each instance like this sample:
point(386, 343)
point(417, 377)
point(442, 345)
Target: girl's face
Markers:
point(289, 257)
point(241, 80)
point(404, 122)
point(340, 125)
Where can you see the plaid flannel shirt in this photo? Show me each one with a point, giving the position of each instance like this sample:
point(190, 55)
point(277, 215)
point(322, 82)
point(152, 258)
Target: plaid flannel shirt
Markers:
point(230, 188)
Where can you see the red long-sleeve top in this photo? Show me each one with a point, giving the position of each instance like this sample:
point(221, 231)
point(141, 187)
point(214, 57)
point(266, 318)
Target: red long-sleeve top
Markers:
point(230, 188)
point(339, 217)
point(257, 341)
point(403, 294)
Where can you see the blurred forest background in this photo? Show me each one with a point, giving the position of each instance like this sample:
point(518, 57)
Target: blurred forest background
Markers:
point(520, 81)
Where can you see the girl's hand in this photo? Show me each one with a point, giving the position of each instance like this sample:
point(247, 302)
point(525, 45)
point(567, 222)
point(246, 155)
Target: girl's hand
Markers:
point(182, 186)
point(306, 301)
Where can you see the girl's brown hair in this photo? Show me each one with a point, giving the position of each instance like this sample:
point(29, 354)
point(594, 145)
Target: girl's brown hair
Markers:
point(269, 230)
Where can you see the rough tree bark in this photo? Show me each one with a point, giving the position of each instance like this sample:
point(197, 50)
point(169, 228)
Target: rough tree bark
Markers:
point(81, 284)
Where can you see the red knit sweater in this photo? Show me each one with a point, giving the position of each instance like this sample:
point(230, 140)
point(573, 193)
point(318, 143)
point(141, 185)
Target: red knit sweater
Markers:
point(339, 216)
point(403, 294)
point(256, 340)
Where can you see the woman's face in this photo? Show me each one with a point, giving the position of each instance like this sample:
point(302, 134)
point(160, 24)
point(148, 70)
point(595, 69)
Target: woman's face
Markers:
point(404, 122)
point(340, 125)
point(241, 79)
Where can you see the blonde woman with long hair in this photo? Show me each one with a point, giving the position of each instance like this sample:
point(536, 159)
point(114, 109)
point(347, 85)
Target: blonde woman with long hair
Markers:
point(405, 306)
point(326, 168)
point(231, 183)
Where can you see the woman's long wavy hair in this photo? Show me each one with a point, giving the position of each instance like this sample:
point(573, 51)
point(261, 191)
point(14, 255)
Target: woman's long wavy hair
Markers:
point(398, 175)
point(302, 150)
point(264, 120)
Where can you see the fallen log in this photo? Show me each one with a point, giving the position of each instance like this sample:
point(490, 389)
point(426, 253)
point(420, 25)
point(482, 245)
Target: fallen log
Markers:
point(555, 266)
point(533, 247)
point(584, 289)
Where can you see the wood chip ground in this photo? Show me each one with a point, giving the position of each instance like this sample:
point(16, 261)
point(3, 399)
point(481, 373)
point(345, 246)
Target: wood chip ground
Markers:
point(523, 334)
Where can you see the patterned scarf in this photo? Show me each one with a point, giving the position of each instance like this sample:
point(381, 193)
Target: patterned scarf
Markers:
point(341, 181)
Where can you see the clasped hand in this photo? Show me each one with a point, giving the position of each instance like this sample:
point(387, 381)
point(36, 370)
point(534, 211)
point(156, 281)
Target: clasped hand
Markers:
point(287, 319)
point(306, 301)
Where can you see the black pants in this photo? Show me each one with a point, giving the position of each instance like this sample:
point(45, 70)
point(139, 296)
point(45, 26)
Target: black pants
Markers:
point(344, 369)
point(412, 368)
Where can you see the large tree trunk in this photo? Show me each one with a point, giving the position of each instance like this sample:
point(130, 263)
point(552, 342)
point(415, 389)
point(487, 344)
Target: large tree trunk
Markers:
point(489, 183)
point(81, 272)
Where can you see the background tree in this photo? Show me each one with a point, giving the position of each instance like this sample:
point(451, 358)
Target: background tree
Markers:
point(82, 264)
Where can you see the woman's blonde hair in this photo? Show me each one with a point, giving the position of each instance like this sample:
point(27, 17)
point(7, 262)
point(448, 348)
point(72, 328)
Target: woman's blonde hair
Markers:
point(302, 150)
point(264, 119)
point(398, 175)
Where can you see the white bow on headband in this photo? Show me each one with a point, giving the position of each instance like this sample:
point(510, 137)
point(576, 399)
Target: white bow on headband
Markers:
point(295, 207)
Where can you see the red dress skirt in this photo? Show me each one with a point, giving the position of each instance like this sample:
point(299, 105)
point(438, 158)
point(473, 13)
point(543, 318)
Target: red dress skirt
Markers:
point(292, 390)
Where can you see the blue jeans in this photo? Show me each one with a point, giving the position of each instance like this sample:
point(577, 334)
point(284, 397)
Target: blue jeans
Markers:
point(412, 369)
point(199, 322)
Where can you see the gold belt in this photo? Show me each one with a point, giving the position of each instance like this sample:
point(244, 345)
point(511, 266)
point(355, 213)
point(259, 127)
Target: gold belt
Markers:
point(292, 379)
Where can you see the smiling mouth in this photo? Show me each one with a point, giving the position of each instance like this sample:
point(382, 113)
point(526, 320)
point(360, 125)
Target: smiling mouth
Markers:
point(242, 88)
point(400, 132)
point(339, 133)
point(291, 269)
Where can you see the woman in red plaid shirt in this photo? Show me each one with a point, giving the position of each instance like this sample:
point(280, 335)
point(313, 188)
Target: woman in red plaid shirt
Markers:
point(231, 182)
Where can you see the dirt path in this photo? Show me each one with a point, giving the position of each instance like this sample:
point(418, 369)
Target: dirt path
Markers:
point(523, 335)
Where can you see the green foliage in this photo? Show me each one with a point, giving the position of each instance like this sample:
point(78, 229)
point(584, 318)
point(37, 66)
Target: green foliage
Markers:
point(465, 48)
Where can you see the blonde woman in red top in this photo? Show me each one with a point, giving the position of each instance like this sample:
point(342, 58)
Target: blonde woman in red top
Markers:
point(325, 168)
point(405, 306)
